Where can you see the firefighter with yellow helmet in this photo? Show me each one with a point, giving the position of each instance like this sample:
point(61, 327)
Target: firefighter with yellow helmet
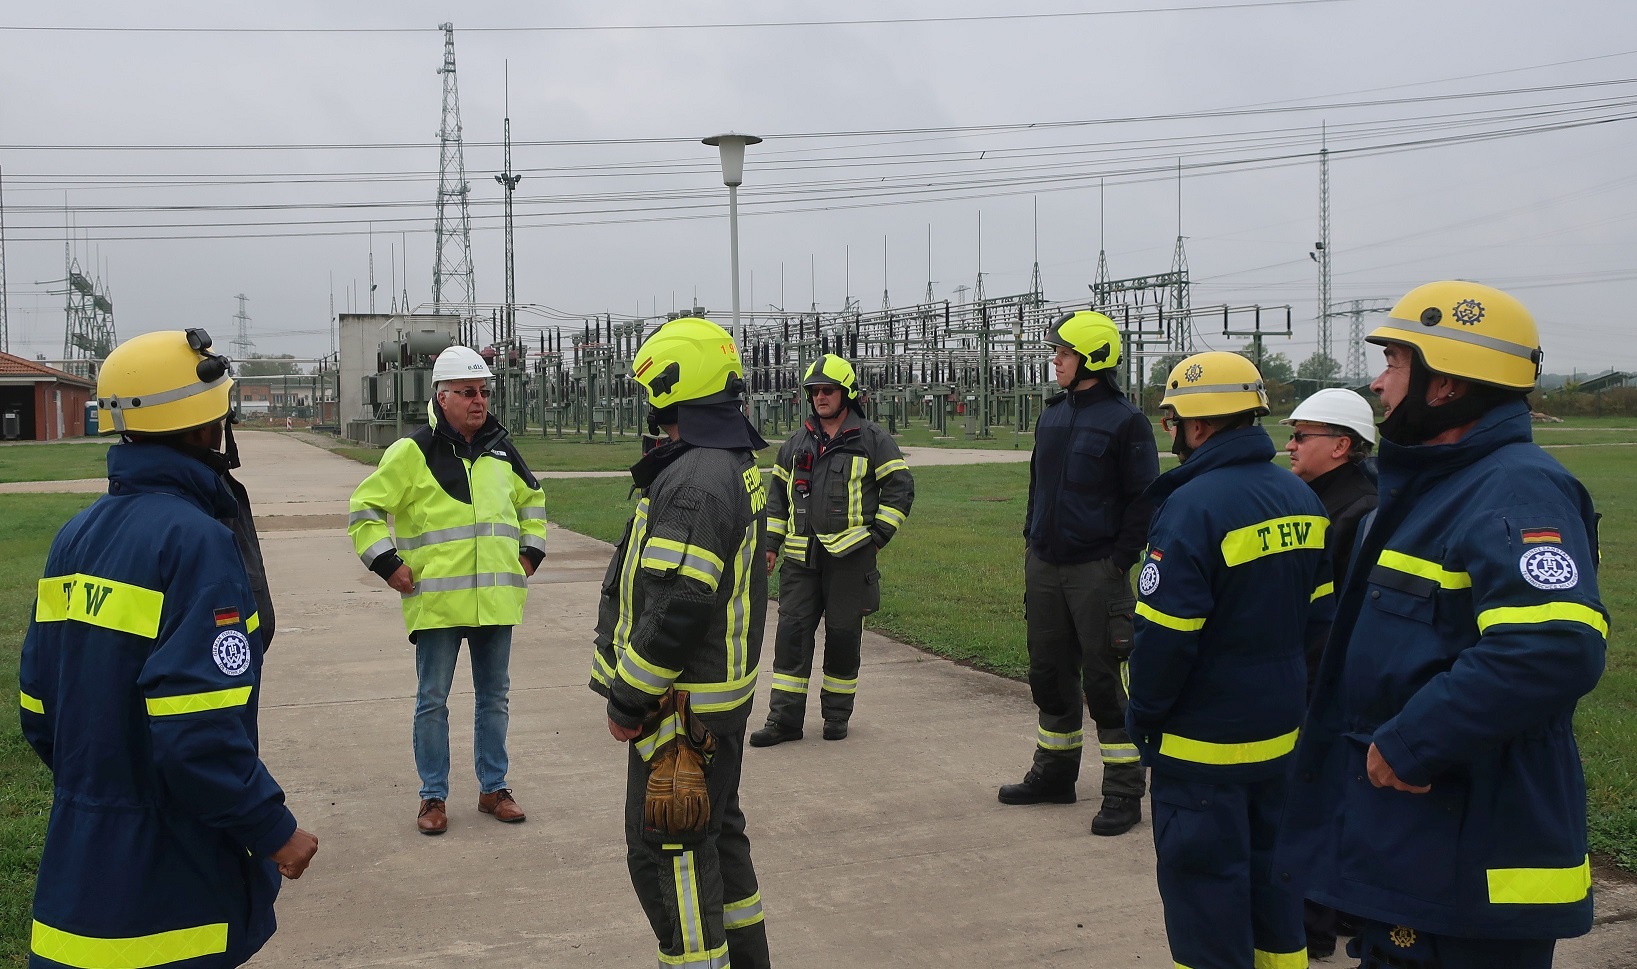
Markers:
point(1469, 627)
point(140, 683)
point(1086, 522)
point(679, 638)
point(1234, 584)
point(840, 491)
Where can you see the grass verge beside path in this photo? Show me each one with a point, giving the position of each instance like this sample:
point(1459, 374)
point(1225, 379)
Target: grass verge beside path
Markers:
point(64, 461)
point(25, 785)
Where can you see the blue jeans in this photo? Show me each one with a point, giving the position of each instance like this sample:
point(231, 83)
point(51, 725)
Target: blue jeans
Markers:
point(435, 653)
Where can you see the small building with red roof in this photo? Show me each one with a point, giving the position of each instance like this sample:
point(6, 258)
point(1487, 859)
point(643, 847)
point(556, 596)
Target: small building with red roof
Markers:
point(41, 403)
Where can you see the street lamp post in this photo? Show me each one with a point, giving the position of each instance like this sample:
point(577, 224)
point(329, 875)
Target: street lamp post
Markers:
point(732, 148)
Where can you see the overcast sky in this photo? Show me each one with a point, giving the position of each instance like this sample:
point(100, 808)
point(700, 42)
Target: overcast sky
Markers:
point(252, 153)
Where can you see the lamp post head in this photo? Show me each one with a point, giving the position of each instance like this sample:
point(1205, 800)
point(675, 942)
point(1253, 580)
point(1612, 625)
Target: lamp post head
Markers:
point(732, 147)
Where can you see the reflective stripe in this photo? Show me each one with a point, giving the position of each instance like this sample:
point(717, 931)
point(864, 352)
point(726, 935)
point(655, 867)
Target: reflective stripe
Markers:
point(720, 697)
point(531, 514)
point(253, 623)
point(1279, 960)
point(1212, 389)
point(532, 541)
point(645, 676)
point(30, 703)
point(483, 580)
point(1205, 752)
point(795, 548)
point(666, 555)
point(780, 472)
point(1154, 615)
point(170, 706)
point(369, 555)
point(366, 515)
point(117, 406)
point(777, 526)
point(836, 543)
point(1329, 588)
point(834, 684)
point(890, 515)
point(1415, 328)
point(896, 464)
point(628, 576)
point(717, 958)
point(687, 904)
point(100, 602)
point(132, 952)
point(1273, 536)
point(738, 606)
point(1120, 753)
point(742, 914)
point(790, 684)
point(1049, 740)
point(1400, 562)
point(1550, 612)
point(855, 491)
point(1540, 886)
point(648, 746)
point(460, 533)
point(601, 672)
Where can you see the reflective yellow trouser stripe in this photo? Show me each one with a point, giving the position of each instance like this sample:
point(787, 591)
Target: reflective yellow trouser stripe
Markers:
point(31, 704)
point(742, 914)
point(1120, 753)
point(169, 706)
point(790, 684)
point(1279, 960)
point(1205, 752)
point(1540, 886)
point(1054, 740)
point(1151, 614)
point(100, 602)
point(1531, 615)
point(136, 952)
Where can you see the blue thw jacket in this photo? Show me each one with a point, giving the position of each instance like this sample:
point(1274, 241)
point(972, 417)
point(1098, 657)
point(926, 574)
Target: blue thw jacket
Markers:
point(1233, 585)
point(1469, 627)
point(139, 690)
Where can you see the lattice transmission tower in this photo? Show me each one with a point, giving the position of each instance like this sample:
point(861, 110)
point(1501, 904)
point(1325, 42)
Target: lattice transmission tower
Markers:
point(1323, 247)
point(88, 336)
point(452, 283)
point(1180, 299)
point(242, 345)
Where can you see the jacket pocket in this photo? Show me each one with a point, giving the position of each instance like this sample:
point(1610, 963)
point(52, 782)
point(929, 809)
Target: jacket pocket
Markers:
point(1406, 843)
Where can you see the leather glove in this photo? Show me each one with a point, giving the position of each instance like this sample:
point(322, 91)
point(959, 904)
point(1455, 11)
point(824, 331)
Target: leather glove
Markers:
point(676, 800)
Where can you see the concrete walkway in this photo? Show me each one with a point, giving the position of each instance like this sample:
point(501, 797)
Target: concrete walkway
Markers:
point(885, 850)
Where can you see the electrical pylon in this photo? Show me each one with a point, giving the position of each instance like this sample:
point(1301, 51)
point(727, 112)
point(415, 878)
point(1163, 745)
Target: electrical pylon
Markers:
point(452, 283)
point(1324, 249)
point(242, 345)
point(1179, 299)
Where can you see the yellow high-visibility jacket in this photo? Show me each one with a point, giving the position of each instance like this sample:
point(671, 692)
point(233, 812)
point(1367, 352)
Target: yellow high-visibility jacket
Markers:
point(464, 514)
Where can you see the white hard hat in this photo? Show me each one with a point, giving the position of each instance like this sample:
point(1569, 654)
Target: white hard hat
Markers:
point(460, 363)
point(1343, 408)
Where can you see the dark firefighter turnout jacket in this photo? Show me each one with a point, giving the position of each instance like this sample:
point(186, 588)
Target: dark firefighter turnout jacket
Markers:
point(841, 493)
point(463, 513)
point(1469, 627)
point(1234, 584)
point(141, 676)
point(685, 597)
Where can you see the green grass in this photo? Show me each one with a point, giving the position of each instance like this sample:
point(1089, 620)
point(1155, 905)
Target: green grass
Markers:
point(53, 462)
point(25, 784)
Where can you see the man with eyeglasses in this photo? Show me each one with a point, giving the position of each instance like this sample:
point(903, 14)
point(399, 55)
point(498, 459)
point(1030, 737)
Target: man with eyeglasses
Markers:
point(841, 490)
point(1086, 522)
point(1437, 790)
point(471, 528)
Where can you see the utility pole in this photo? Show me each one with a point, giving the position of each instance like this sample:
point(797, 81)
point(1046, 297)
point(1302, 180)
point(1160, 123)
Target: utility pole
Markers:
point(512, 403)
point(1323, 248)
point(452, 283)
point(5, 328)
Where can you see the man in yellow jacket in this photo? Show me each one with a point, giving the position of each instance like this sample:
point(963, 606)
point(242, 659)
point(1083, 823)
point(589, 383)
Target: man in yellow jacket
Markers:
point(470, 526)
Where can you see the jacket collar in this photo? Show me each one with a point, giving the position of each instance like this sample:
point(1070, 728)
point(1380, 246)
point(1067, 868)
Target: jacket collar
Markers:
point(851, 424)
point(1242, 445)
point(486, 438)
point(1503, 425)
point(145, 467)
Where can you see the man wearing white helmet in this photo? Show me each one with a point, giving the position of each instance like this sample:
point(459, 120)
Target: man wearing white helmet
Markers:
point(471, 529)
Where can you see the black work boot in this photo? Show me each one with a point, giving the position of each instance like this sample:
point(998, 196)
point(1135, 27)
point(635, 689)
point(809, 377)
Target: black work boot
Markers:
point(774, 734)
point(1034, 790)
point(1117, 816)
point(835, 730)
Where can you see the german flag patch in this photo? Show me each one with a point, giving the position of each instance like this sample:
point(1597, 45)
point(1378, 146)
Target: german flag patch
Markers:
point(1534, 536)
point(1156, 554)
point(227, 617)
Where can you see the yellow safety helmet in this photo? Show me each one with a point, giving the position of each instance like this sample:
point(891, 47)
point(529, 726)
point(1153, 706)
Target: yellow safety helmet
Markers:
point(1092, 335)
point(1215, 384)
point(1467, 330)
point(163, 382)
point(831, 369)
point(688, 360)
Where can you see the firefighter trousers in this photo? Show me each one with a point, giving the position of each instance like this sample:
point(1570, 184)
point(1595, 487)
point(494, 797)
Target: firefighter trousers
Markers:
point(1214, 846)
point(701, 897)
point(1079, 634)
point(841, 591)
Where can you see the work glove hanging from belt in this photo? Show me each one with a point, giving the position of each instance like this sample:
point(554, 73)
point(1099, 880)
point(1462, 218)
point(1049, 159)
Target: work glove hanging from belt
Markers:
point(676, 802)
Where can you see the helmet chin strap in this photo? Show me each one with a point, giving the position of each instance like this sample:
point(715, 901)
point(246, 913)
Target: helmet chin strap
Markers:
point(1414, 421)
